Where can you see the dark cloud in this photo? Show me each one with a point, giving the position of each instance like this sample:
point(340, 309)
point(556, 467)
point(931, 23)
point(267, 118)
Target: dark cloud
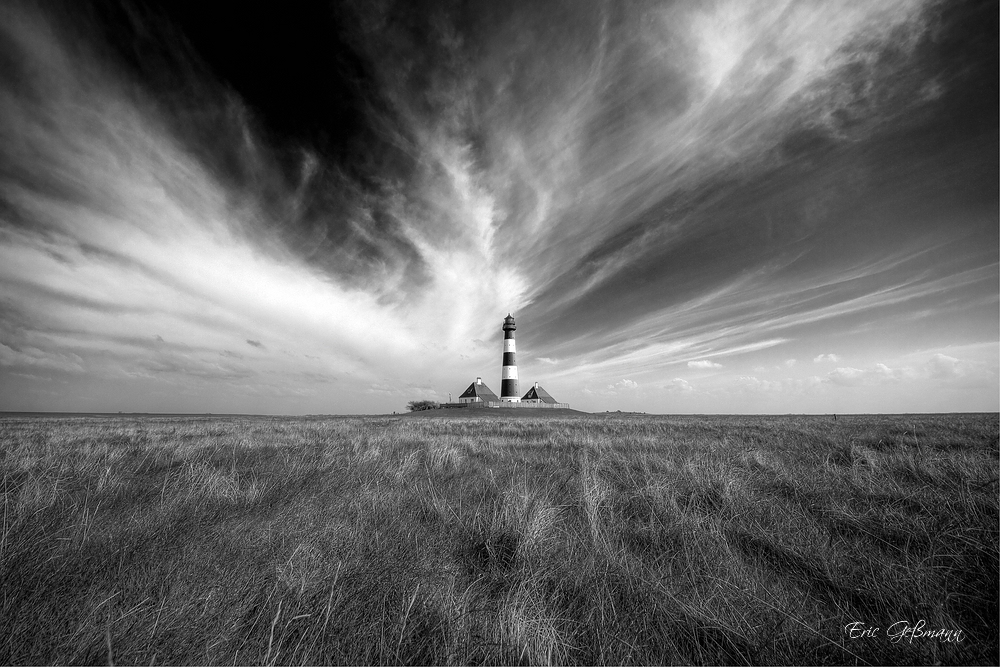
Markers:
point(255, 343)
point(282, 113)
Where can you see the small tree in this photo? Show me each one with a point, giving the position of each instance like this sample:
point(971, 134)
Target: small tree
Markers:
point(414, 406)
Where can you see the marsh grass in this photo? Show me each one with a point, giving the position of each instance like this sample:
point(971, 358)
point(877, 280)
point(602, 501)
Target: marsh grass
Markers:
point(639, 540)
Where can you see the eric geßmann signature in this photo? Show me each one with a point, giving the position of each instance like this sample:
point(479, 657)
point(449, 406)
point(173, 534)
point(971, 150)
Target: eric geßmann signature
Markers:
point(901, 631)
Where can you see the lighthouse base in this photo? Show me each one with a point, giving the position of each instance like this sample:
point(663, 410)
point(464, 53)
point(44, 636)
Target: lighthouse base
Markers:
point(505, 404)
point(524, 404)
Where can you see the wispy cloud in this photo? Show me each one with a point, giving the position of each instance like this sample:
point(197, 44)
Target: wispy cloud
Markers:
point(648, 187)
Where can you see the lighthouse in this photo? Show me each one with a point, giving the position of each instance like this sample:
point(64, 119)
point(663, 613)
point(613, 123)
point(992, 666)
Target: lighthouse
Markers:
point(478, 394)
point(508, 377)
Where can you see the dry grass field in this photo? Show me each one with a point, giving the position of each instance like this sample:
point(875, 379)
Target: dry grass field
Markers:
point(486, 539)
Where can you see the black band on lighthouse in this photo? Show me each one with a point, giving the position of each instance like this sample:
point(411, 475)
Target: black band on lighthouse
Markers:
point(508, 359)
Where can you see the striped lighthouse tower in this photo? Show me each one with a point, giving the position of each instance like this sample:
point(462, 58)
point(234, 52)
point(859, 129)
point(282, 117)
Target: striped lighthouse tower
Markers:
point(508, 377)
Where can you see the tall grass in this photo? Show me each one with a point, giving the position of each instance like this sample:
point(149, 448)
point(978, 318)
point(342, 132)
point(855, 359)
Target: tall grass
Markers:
point(599, 540)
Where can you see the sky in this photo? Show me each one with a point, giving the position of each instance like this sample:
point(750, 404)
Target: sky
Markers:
point(714, 206)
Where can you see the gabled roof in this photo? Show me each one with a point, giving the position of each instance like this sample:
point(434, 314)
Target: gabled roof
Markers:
point(481, 390)
point(537, 393)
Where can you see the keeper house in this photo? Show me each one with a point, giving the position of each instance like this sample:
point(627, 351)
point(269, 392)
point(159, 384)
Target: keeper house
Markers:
point(478, 393)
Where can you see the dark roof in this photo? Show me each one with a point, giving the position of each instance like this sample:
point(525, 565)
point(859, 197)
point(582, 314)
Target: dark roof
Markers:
point(537, 393)
point(480, 390)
